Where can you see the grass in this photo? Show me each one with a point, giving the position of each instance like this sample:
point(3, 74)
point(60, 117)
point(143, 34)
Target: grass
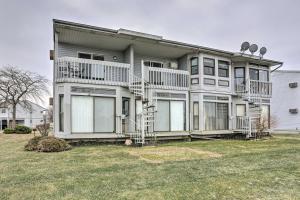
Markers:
point(222, 169)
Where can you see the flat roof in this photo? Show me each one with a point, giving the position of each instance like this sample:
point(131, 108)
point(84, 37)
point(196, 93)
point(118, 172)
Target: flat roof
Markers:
point(161, 40)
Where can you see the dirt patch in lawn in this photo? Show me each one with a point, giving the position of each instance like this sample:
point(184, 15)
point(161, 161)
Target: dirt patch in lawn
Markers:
point(164, 154)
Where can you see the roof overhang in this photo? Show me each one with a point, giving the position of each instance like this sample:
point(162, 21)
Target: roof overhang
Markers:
point(145, 44)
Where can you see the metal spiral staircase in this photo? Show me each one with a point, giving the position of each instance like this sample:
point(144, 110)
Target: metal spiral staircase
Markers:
point(143, 91)
point(249, 124)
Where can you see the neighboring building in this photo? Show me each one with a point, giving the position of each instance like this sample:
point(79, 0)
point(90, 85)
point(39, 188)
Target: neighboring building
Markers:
point(286, 99)
point(112, 84)
point(31, 116)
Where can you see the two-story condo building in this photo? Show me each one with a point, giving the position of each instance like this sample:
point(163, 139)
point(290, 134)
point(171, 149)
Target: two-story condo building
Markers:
point(113, 84)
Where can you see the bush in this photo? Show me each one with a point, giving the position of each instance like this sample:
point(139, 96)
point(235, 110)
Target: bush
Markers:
point(9, 131)
point(22, 130)
point(47, 144)
point(33, 143)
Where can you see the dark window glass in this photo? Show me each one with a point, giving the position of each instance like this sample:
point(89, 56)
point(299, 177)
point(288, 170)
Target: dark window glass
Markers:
point(223, 68)
point(209, 66)
point(157, 64)
point(61, 112)
point(98, 57)
point(125, 107)
point(239, 75)
point(194, 66)
point(254, 74)
point(84, 55)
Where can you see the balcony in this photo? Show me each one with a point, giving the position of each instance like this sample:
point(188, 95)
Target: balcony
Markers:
point(254, 88)
point(77, 70)
point(162, 78)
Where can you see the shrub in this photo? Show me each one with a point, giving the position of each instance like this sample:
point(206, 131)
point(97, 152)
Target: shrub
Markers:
point(9, 131)
point(43, 129)
point(33, 143)
point(22, 129)
point(47, 144)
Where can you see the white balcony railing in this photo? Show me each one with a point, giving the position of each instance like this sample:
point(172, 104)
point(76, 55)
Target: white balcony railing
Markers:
point(162, 78)
point(69, 69)
point(254, 88)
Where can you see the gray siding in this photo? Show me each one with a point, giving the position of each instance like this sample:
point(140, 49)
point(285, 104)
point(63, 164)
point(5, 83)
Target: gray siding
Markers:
point(71, 50)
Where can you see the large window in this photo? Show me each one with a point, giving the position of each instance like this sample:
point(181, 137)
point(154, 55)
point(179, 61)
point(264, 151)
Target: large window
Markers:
point(169, 116)
point(239, 75)
point(61, 112)
point(259, 74)
point(92, 114)
point(194, 66)
point(209, 66)
point(216, 116)
point(196, 115)
point(223, 68)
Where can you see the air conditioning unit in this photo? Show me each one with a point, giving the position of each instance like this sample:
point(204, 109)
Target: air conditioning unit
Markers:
point(173, 65)
point(293, 111)
point(293, 85)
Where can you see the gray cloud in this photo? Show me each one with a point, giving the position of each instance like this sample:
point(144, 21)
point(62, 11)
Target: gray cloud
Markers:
point(26, 26)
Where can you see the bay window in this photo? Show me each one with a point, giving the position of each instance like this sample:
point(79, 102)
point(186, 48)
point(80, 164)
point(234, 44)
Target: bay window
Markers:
point(223, 68)
point(194, 66)
point(209, 66)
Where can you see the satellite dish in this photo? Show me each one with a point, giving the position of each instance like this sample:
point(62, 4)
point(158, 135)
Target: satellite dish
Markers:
point(245, 46)
point(253, 48)
point(262, 51)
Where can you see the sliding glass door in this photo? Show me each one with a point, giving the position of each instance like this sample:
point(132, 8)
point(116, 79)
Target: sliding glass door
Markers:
point(82, 114)
point(162, 116)
point(104, 120)
point(92, 114)
point(177, 115)
point(215, 116)
point(170, 116)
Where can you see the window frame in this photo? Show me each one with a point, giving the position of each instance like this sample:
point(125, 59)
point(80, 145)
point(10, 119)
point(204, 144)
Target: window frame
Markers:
point(61, 117)
point(195, 117)
point(195, 83)
point(205, 79)
point(196, 66)
point(211, 67)
point(222, 68)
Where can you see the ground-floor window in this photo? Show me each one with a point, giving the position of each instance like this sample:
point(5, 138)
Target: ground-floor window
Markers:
point(61, 112)
point(92, 114)
point(196, 115)
point(215, 116)
point(170, 116)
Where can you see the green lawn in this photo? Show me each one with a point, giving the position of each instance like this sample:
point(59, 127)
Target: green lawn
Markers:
point(222, 169)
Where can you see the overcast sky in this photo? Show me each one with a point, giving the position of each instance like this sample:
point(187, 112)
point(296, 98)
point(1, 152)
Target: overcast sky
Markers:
point(26, 25)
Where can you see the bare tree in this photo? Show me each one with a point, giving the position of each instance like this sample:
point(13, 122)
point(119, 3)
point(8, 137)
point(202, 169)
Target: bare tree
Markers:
point(263, 124)
point(17, 87)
